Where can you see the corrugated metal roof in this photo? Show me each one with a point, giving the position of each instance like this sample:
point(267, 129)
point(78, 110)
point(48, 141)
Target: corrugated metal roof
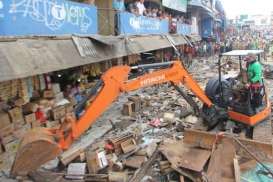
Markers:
point(21, 58)
point(195, 38)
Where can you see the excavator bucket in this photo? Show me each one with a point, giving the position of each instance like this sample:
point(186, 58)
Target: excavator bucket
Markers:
point(36, 148)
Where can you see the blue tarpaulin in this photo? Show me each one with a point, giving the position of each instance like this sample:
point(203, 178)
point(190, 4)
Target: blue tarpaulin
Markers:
point(46, 17)
point(254, 174)
point(137, 25)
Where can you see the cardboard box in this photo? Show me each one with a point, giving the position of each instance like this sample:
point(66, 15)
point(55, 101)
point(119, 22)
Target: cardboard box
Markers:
point(137, 103)
point(44, 103)
point(16, 115)
point(76, 171)
point(35, 124)
point(59, 96)
point(30, 118)
point(7, 130)
point(36, 94)
point(30, 108)
point(48, 94)
point(69, 108)
point(56, 88)
point(58, 112)
point(19, 102)
point(20, 133)
point(4, 120)
point(72, 101)
point(53, 124)
point(128, 145)
point(8, 139)
point(95, 161)
point(12, 147)
point(127, 109)
point(19, 125)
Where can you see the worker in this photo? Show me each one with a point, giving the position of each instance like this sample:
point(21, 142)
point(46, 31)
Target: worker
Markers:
point(255, 81)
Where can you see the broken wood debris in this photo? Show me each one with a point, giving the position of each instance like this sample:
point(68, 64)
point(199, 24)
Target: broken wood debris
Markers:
point(182, 155)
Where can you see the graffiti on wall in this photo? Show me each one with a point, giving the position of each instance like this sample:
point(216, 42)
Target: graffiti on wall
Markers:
point(53, 14)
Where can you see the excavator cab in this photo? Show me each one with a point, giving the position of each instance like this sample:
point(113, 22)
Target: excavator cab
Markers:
point(229, 90)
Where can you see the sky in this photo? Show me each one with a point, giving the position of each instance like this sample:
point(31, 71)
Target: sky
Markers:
point(234, 8)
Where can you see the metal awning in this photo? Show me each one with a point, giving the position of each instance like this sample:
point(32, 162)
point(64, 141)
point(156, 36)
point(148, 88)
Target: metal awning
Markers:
point(25, 57)
point(194, 38)
point(242, 52)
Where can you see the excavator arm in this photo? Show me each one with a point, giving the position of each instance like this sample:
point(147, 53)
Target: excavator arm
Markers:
point(41, 145)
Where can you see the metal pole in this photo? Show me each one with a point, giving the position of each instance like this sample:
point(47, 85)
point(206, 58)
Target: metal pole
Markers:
point(154, 65)
point(220, 78)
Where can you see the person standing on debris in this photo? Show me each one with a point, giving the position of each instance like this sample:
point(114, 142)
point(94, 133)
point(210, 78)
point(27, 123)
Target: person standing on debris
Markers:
point(255, 82)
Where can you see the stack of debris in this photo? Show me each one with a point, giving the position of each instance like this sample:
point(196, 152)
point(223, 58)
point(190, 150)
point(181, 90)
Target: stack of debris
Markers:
point(151, 141)
point(116, 159)
point(203, 156)
point(46, 109)
point(199, 156)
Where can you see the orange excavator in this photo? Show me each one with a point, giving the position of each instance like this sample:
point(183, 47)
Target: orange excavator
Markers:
point(41, 145)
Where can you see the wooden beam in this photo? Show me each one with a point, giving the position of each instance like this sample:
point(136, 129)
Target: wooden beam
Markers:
point(237, 171)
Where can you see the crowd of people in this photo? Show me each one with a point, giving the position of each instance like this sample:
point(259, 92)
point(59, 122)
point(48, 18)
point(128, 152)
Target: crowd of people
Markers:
point(139, 7)
point(249, 39)
point(206, 48)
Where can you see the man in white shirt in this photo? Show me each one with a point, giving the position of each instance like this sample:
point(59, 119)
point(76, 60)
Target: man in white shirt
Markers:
point(140, 6)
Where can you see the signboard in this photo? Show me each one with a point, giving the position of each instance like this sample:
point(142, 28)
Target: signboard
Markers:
point(243, 17)
point(136, 25)
point(194, 25)
point(207, 27)
point(46, 17)
point(179, 5)
point(183, 29)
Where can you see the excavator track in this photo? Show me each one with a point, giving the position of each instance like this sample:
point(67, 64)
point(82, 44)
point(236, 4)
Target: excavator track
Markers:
point(263, 131)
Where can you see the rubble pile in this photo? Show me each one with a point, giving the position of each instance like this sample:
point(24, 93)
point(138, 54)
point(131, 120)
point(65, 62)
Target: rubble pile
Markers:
point(268, 71)
point(153, 135)
point(48, 109)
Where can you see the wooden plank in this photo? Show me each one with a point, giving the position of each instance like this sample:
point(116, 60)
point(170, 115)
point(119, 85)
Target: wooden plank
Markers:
point(248, 165)
point(221, 162)
point(206, 140)
point(214, 172)
point(182, 155)
point(135, 162)
point(263, 131)
point(237, 171)
point(128, 145)
point(138, 176)
point(118, 176)
point(182, 179)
